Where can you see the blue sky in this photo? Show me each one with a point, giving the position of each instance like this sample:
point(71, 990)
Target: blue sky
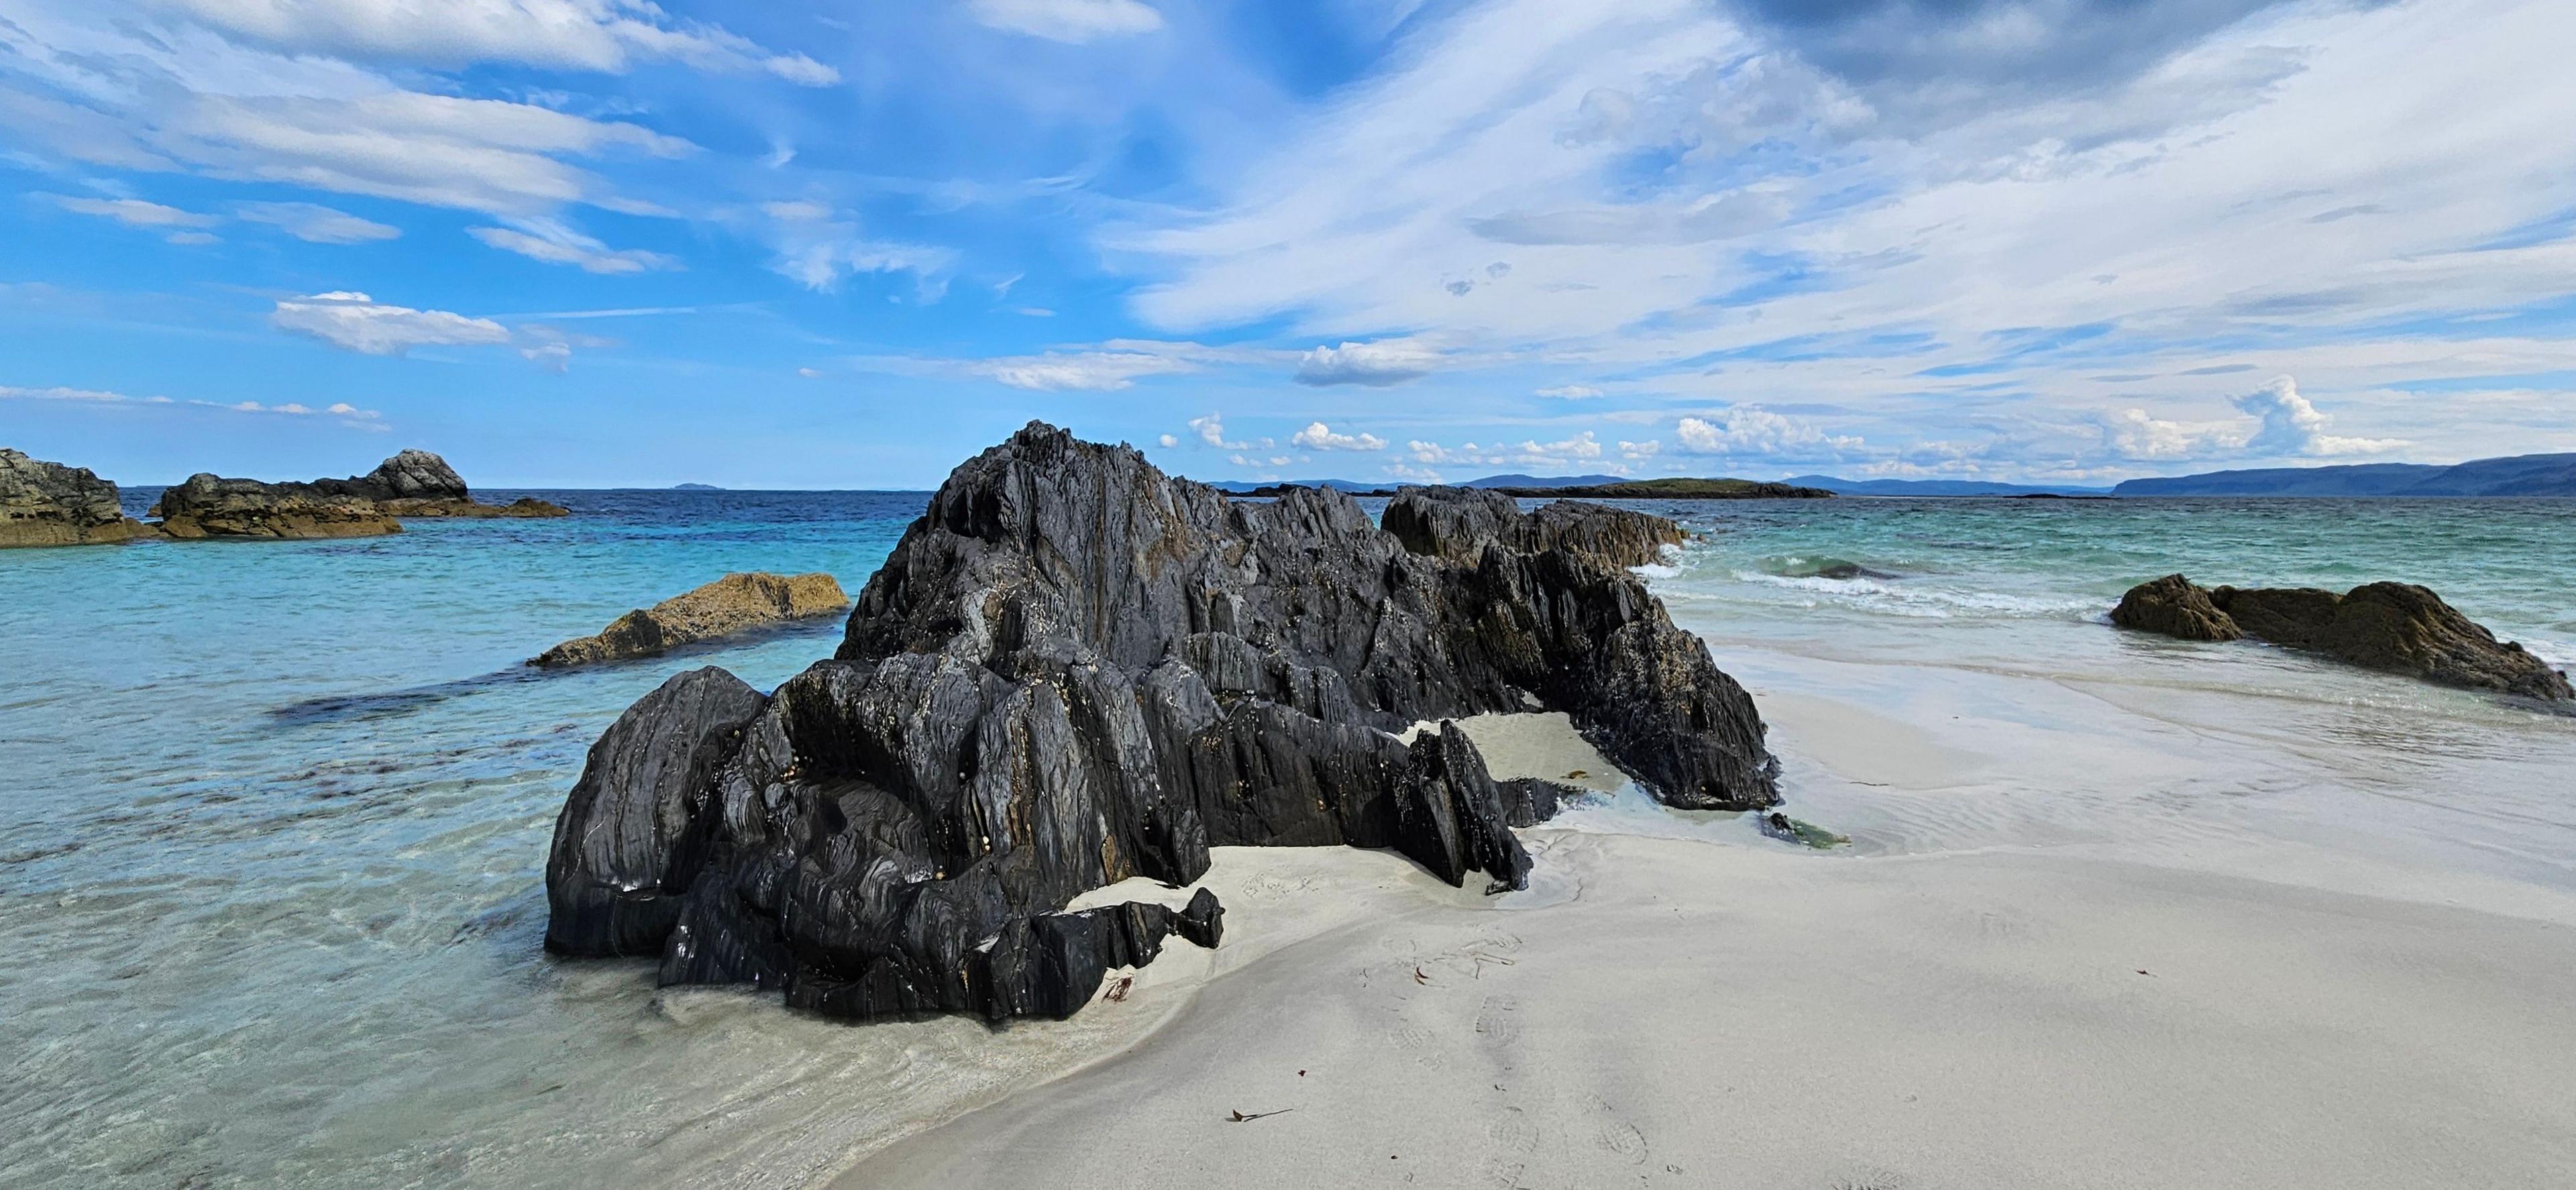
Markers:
point(604, 242)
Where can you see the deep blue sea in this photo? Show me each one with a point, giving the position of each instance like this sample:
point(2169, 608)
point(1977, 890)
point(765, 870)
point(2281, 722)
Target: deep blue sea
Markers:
point(276, 814)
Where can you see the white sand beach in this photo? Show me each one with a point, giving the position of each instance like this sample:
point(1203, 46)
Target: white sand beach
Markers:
point(2208, 998)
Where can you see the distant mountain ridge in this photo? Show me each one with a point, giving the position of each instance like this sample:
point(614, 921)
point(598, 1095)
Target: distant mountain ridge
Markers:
point(2519, 475)
point(1937, 487)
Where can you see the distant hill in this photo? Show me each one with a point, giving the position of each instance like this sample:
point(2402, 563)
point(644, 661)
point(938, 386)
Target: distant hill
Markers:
point(2522, 475)
point(1241, 487)
point(1542, 481)
point(1937, 487)
point(1678, 489)
point(695, 487)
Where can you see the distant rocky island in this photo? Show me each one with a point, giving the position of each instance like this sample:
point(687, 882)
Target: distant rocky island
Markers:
point(2392, 627)
point(414, 483)
point(50, 504)
point(2520, 475)
point(1626, 489)
point(695, 487)
point(1073, 670)
point(729, 606)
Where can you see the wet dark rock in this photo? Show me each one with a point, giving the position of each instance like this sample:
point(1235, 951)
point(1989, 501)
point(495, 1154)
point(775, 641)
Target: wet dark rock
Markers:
point(730, 605)
point(2392, 627)
point(2174, 606)
point(1847, 571)
point(1074, 670)
point(45, 503)
point(635, 832)
point(1457, 523)
point(413, 483)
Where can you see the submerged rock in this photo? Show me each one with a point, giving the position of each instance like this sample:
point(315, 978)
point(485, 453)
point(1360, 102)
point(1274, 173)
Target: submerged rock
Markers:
point(734, 603)
point(1074, 670)
point(2393, 627)
point(414, 483)
point(45, 503)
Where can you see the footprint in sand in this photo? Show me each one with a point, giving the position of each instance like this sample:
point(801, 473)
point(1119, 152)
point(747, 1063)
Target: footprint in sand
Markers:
point(1499, 1021)
point(1513, 1132)
point(1871, 1178)
point(1415, 1041)
point(1504, 1174)
point(1622, 1139)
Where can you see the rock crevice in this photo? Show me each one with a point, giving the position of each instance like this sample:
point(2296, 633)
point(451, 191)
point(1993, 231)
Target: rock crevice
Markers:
point(1073, 670)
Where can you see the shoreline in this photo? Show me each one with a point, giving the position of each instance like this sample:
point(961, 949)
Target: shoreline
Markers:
point(1695, 1015)
point(2302, 964)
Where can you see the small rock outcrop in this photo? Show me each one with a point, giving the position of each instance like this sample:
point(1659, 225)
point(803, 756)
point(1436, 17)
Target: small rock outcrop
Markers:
point(2396, 628)
point(1074, 670)
point(732, 604)
point(1457, 523)
point(209, 506)
point(45, 503)
point(2177, 607)
point(414, 483)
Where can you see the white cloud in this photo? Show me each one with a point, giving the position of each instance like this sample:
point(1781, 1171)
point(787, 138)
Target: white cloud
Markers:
point(1073, 21)
point(342, 411)
point(1168, 441)
point(809, 373)
point(601, 35)
point(1088, 371)
point(2292, 425)
point(818, 249)
point(1377, 364)
point(2135, 435)
point(1749, 430)
point(1571, 392)
point(355, 322)
point(1318, 436)
point(1211, 430)
point(134, 212)
point(1528, 453)
point(316, 224)
point(553, 242)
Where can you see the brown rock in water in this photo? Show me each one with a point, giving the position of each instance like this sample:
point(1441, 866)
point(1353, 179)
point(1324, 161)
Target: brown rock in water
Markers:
point(2392, 627)
point(414, 483)
point(734, 603)
point(2175, 607)
point(45, 503)
point(209, 506)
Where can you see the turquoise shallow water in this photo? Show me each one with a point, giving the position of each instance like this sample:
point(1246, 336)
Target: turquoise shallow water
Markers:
point(272, 845)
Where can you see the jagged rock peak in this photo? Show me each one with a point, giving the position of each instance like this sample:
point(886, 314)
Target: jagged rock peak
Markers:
point(416, 475)
point(1073, 670)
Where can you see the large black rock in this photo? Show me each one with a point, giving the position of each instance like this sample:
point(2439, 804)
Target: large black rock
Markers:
point(1074, 670)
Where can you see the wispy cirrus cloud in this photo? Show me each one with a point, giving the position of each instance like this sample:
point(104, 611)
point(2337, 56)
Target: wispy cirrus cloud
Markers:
point(1073, 21)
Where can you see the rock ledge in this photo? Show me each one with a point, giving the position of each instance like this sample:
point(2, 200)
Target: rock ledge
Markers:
point(734, 603)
